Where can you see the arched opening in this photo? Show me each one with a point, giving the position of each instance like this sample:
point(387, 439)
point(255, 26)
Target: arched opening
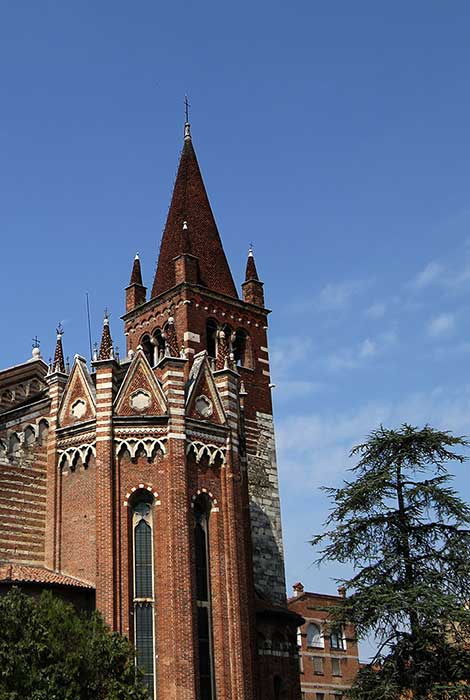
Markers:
point(148, 348)
point(29, 436)
point(143, 594)
point(202, 508)
point(159, 342)
point(314, 636)
point(211, 338)
point(14, 445)
point(43, 429)
point(242, 349)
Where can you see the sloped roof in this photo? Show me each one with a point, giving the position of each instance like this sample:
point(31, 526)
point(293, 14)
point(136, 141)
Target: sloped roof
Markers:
point(190, 204)
point(22, 573)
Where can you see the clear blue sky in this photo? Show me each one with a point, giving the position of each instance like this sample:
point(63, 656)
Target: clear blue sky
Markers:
point(335, 136)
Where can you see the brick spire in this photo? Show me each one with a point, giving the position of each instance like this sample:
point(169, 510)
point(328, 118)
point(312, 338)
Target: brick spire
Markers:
point(136, 275)
point(251, 271)
point(190, 204)
point(106, 347)
point(59, 364)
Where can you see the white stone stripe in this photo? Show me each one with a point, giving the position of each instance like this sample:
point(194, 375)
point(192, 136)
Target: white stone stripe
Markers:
point(264, 349)
point(261, 359)
point(266, 374)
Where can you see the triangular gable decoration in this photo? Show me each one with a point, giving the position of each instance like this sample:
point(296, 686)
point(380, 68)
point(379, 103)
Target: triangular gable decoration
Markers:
point(79, 399)
point(140, 393)
point(202, 397)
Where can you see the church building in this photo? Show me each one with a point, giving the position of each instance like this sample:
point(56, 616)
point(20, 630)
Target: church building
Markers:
point(147, 486)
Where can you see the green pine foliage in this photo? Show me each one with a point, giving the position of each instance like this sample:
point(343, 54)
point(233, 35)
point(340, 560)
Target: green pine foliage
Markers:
point(406, 533)
point(50, 652)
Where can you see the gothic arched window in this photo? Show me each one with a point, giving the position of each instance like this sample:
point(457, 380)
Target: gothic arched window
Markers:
point(148, 348)
point(143, 586)
point(202, 508)
point(242, 349)
point(159, 341)
point(211, 337)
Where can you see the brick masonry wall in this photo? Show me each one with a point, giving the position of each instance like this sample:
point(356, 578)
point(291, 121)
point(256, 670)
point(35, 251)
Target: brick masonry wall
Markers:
point(78, 534)
point(23, 492)
point(191, 309)
point(310, 605)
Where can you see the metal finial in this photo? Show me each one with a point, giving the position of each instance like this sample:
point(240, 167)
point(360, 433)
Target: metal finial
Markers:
point(187, 127)
point(250, 250)
point(59, 329)
point(36, 342)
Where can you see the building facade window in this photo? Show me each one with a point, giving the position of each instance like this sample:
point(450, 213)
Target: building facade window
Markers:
point(317, 665)
point(337, 640)
point(202, 507)
point(143, 587)
point(336, 666)
point(314, 636)
point(211, 338)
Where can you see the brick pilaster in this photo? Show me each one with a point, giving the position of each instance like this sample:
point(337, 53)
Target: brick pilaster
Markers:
point(176, 666)
point(239, 602)
point(56, 383)
point(106, 598)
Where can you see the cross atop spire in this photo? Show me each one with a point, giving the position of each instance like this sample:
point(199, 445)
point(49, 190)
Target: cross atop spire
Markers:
point(187, 126)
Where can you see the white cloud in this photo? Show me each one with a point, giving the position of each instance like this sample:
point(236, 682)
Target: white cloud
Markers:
point(376, 310)
point(286, 357)
point(441, 325)
point(314, 448)
point(432, 273)
point(368, 347)
point(338, 295)
point(351, 358)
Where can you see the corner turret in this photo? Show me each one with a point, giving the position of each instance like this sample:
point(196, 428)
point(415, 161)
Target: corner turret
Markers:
point(252, 287)
point(135, 292)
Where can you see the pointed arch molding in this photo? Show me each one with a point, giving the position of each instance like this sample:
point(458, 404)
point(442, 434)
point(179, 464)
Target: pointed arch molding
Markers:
point(149, 444)
point(140, 379)
point(150, 489)
point(67, 457)
point(201, 448)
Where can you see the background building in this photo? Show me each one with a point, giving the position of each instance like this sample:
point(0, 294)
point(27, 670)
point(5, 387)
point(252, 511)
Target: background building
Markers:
point(149, 483)
point(329, 657)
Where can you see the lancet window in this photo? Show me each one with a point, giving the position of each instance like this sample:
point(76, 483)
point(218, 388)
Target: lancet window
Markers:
point(143, 587)
point(202, 507)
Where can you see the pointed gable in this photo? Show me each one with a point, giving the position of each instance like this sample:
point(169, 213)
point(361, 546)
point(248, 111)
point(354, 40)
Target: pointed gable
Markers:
point(190, 204)
point(140, 393)
point(79, 399)
point(202, 398)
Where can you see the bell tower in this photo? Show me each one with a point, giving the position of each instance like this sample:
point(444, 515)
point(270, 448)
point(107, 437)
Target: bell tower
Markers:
point(217, 525)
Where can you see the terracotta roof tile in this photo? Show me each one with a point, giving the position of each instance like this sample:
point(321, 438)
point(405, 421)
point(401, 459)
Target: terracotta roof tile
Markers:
point(22, 573)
